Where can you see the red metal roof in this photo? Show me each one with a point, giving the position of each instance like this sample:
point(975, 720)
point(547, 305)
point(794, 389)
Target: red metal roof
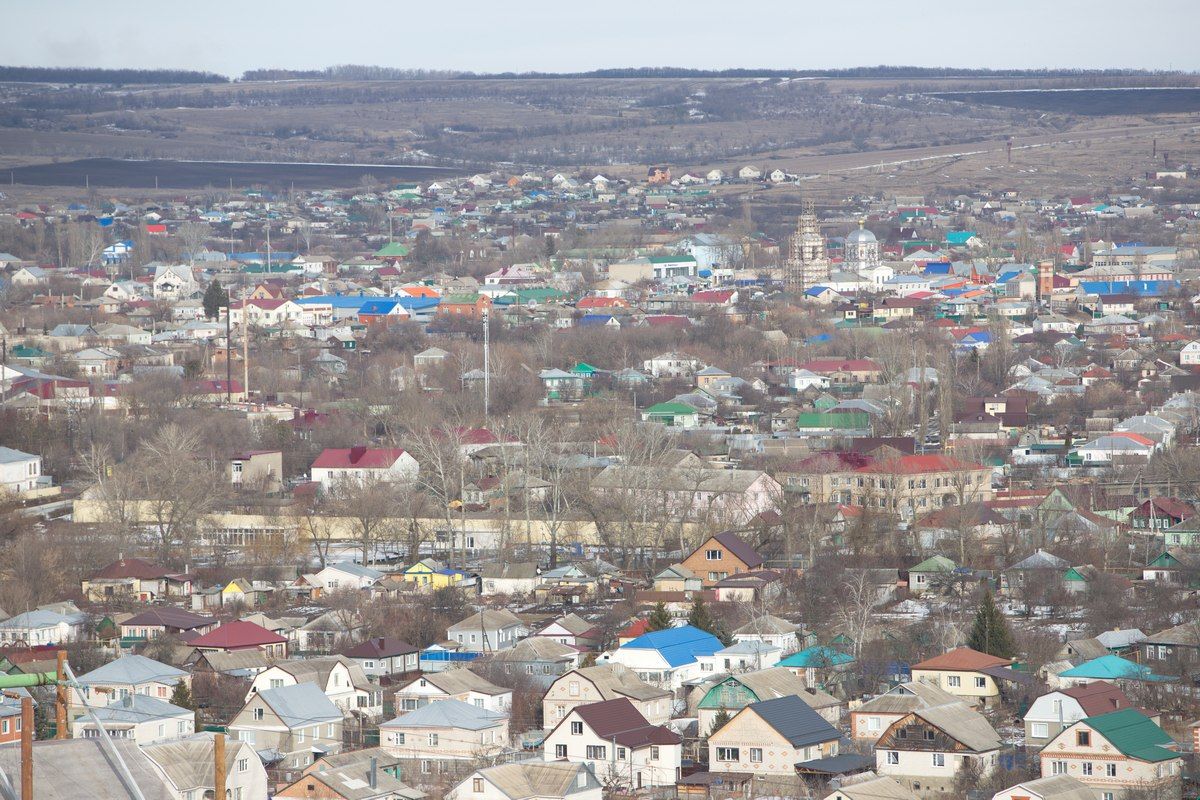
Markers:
point(913, 465)
point(963, 658)
point(358, 458)
point(132, 568)
point(238, 635)
point(617, 720)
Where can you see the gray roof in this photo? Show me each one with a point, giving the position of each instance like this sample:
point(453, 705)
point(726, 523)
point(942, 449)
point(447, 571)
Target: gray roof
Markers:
point(188, 762)
point(457, 681)
point(79, 769)
point(906, 698)
point(962, 723)
point(449, 713)
point(537, 648)
point(767, 625)
point(617, 680)
point(1041, 560)
point(132, 670)
point(1056, 787)
point(352, 781)
point(302, 704)
point(874, 787)
point(487, 618)
point(529, 779)
point(795, 721)
point(136, 708)
point(11, 456)
point(350, 568)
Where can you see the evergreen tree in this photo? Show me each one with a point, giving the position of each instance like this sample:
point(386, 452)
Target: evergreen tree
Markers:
point(215, 299)
point(719, 721)
point(660, 618)
point(990, 634)
point(700, 617)
point(182, 696)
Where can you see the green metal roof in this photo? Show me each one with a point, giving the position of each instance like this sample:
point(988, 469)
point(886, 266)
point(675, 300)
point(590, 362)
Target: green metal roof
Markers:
point(392, 250)
point(934, 564)
point(669, 408)
point(672, 260)
point(1134, 734)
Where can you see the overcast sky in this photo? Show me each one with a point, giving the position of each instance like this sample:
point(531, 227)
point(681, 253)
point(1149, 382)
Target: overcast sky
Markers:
point(566, 35)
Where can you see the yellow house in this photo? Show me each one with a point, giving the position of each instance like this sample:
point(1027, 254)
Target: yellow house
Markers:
point(965, 673)
point(238, 589)
point(433, 574)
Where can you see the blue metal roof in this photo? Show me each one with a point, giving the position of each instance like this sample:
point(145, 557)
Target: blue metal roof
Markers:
point(678, 646)
point(816, 656)
point(1142, 288)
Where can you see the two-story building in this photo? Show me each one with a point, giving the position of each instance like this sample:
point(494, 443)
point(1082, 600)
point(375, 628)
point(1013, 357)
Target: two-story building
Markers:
point(771, 737)
point(619, 744)
point(969, 675)
point(1114, 753)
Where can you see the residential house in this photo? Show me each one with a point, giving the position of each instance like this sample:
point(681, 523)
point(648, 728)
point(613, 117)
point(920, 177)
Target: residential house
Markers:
point(445, 730)
point(384, 657)
point(665, 658)
point(965, 673)
point(874, 716)
point(341, 679)
point(1053, 712)
point(458, 684)
point(257, 470)
point(10, 714)
point(139, 717)
point(720, 556)
point(187, 766)
point(734, 692)
point(1114, 753)
point(164, 621)
point(573, 630)
point(291, 722)
point(137, 579)
point(771, 737)
point(126, 676)
point(505, 577)
point(1055, 787)
point(540, 658)
point(346, 576)
point(530, 780)
point(85, 768)
point(618, 743)
point(927, 748)
point(359, 465)
point(19, 472)
point(44, 626)
point(487, 630)
point(770, 630)
point(241, 635)
point(360, 775)
point(870, 786)
point(604, 682)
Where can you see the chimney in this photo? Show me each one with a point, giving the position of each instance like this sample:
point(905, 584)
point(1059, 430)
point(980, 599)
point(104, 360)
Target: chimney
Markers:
point(372, 775)
point(357, 452)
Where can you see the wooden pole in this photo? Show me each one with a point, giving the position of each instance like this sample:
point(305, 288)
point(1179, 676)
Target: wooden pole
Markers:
point(26, 748)
point(61, 699)
point(218, 765)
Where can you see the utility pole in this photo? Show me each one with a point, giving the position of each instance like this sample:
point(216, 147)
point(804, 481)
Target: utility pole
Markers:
point(229, 345)
point(26, 748)
point(60, 705)
point(219, 765)
point(487, 362)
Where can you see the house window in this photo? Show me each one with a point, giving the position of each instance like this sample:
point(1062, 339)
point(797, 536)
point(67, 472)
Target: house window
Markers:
point(398, 738)
point(276, 683)
point(1039, 730)
point(1058, 768)
point(654, 752)
point(928, 735)
point(1083, 738)
point(981, 683)
point(1087, 768)
point(257, 713)
point(1110, 770)
point(426, 767)
point(756, 755)
point(433, 740)
point(953, 681)
point(620, 754)
point(1106, 796)
point(477, 785)
point(560, 751)
point(728, 754)
point(872, 723)
point(939, 759)
point(596, 752)
point(576, 728)
point(893, 757)
point(713, 555)
point(368, 665)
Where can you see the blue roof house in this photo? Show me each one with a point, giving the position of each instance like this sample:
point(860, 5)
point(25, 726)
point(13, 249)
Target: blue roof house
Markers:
point(666, 658)
point(1109, 668)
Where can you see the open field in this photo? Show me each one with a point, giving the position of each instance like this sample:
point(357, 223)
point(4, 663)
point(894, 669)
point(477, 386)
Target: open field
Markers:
point(839, 135)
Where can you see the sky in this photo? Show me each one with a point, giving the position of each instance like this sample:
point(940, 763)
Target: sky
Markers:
point(566, 35)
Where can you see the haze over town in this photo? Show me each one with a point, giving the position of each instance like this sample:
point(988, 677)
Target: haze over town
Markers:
point(559, 403)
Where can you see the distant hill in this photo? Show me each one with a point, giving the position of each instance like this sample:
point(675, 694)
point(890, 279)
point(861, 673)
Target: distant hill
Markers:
point(109, 76)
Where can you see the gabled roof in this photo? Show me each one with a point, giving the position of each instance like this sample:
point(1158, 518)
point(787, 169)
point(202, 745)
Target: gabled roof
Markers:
point(617, 680)
point(380, 647)
point(358, 458)
point(133, 670)
point(449, 713)
point(169, 617)
point(963, 724)
point(963, 659)
point(794, 720)
point(738, 547)
point(238, 635)
point(678, 646)
point(1111, 667)
point(617, 720)
point(458, 681)
point(1098, 697)
point(1133, 734)
point(525, 780)
point(300, 705)
point(906, 698)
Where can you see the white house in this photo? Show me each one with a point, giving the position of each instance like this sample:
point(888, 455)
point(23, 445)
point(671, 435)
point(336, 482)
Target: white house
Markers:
point(174, 282)
point(342, 681)
point(665, 658)
point(925, 749)
point(458, 684)
point(672, 365)
point(19, 472)
point(446, 730)
point(139, 717)
point(529, 780)
point(43, 626)
point(488, 629)
point(346, 575)
point(618, 743)
point(178, 759)
point(1115, 447)
point(360, 465)
point(770, 630)
point(1189, 354)
point(1055, 711)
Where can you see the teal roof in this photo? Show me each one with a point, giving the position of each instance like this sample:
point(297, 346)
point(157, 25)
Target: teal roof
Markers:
point(816, 656)
point(934, 564)
point(1134, 734)
point(1112, 667)
point(670, 409)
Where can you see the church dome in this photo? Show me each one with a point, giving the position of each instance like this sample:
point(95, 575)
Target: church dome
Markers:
point(861, 236)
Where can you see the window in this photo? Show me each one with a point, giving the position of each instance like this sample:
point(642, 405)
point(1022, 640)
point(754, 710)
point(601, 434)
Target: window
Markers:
point(728, 754)
point(4, 726)
point(755, 755)
point(577, 729)
point(433, 740)
point(953, 680)
point(1039, 730)
point(1087, 768)
point(981, 683)
point(872, 723)
point(257, 713)
point(939, 759)
point(477, 785)
point(1110, 770)
point(398, 738)
point(1106, 796)
point(654, 752)
point(1058, 768)
point(560, 751)
point(893, 757)
point(276, 683)
point(573, 688)
point(368, 665)
point(713, 555)
point(596, 751)
point(237, 793)
point(328, 731)
point(620, 754)
point(300, 735)
point(426, 767)
point(1083, 738)
point(479, 702)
